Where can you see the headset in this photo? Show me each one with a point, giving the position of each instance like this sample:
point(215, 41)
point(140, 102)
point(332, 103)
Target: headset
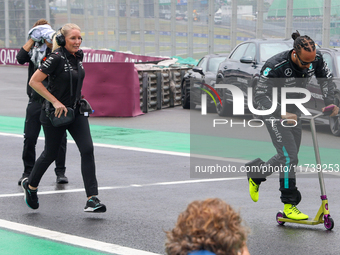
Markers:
point(60, 39)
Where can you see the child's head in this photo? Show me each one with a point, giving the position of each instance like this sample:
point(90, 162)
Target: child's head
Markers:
point(210, 225)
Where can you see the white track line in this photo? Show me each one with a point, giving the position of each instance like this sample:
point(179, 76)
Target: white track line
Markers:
point(182, 154)
point(121, 147)
point(12, 135)
point(102, 246)
point(129, 186)
point(89, 243)
point(71, 239)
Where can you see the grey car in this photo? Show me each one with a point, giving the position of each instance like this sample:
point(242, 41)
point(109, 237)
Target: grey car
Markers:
point(242, 68)
point(195, 81)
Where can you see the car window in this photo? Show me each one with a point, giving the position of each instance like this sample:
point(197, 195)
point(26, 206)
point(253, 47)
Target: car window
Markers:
point(214, 63)
point(267, 50)
point(251, 51)
point(200, 62)
point(328, 59)
point(203, 63)
point(239, 52)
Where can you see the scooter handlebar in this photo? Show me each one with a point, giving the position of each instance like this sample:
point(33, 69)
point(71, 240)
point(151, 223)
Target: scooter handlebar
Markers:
point(328, 110)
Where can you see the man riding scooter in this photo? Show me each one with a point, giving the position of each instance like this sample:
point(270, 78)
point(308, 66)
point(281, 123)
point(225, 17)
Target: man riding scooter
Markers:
point(289, 69)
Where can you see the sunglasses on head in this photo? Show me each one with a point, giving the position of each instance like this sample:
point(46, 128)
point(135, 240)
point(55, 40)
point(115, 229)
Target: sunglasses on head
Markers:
point(303, 63)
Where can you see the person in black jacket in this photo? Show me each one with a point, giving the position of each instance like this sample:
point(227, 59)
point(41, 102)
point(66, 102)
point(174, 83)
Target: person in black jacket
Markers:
point(32, 123)
point(65, 71)
point(293, 68)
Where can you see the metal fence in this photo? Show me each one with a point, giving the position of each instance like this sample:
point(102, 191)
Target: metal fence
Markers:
point(186, 28)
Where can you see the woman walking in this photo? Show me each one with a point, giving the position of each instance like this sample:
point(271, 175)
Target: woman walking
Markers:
point(66, 73)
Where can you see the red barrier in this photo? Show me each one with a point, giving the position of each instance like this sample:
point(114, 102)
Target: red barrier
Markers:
point(114, 56)
point(112, 89)
point(111, 82)
point(8, 56)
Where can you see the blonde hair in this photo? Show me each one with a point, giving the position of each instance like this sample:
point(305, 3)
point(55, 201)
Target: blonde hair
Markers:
point(64, 30)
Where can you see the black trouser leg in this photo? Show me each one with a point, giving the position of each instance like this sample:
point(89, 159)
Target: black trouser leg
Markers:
point(60, 167)
point(53, 138)
point(80, 131)
point(287, 143)
point(31, 133)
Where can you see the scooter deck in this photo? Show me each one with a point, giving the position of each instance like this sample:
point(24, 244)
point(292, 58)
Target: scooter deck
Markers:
point(309, 221)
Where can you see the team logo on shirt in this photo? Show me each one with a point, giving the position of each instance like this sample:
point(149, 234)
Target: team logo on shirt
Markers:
point(288, 72)
point(266, 71)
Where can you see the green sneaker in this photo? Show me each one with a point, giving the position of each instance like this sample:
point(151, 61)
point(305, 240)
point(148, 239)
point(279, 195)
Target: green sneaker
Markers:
point(253, 190)
point(291, 212)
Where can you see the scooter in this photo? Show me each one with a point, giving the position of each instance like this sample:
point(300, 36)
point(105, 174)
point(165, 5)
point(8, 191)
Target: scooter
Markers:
point(322, 215)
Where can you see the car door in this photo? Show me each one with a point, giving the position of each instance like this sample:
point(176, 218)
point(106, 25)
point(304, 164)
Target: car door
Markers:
point(231, 68)
point(211, 71)
point(316, 103)
point(247, 68)
point(196, 81)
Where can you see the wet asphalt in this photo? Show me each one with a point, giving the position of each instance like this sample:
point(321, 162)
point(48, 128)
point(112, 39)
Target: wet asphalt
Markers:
point(145, 191)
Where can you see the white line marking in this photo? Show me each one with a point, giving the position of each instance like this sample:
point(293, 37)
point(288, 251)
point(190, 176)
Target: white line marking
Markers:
point(103, 246)
point(71, 239)
point(197, 181)
point(12, 135)
point(121, 147)
point(182, 154)
point(128, 186)
point(88, 243)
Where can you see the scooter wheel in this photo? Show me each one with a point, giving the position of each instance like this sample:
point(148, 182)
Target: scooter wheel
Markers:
point(279, 215)
point(328, 223)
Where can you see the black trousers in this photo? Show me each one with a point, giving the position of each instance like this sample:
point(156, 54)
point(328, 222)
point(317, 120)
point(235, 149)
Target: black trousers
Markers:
point(286, 141)
point(31, 134)
point(80, 131)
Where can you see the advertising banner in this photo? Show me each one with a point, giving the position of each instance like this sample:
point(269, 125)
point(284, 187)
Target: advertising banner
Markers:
point(8, 56)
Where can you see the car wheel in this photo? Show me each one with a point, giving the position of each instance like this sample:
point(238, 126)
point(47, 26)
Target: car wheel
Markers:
point(211, 108)
point(226, 109)
point(185, 95)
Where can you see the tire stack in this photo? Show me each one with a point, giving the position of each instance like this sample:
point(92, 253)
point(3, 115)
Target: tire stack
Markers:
point(160, 88)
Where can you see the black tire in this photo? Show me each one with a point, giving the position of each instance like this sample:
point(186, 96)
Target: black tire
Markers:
point(185, 96)
point(334, 122)
point(192, 105)
point(226, 109)
point(211, 108)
